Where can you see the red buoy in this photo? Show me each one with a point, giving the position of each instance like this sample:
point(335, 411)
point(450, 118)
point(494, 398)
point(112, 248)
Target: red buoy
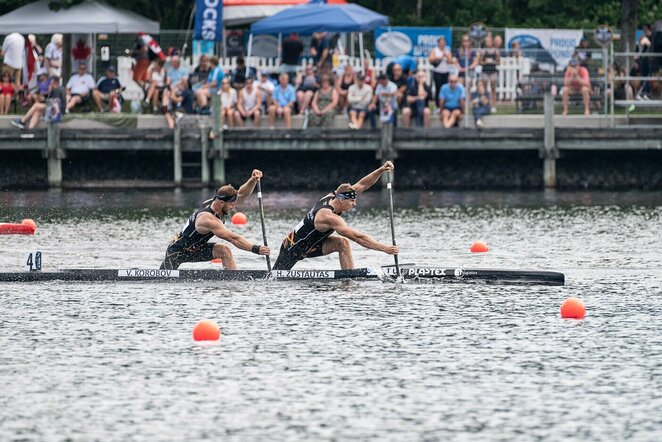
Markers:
point(216, 261)
point(206, 330)
point(573, 308)
point(17, 229)
point(239, 218)
point(479, 247)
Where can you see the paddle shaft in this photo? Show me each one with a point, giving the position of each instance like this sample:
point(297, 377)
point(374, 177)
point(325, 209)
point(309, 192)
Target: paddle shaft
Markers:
point(390, 194)
point(264, 229)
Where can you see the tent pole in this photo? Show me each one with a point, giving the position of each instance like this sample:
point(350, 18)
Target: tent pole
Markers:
point(361, 52)
point(280, 48)
point(248, 57)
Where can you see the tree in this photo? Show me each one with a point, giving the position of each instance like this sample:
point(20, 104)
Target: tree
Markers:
point(630, 10)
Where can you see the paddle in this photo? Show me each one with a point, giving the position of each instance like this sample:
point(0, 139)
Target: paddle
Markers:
point(264, 230)
point(389, 186)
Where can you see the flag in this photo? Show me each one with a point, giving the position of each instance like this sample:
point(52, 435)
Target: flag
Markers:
point(209, 20)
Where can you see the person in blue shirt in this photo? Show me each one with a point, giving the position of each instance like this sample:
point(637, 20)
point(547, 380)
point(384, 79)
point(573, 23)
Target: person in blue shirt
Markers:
point(108, 89)
point(451, 102)
point(207, 90)
point(282, 101)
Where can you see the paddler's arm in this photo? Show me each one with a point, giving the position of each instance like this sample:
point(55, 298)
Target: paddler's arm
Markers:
point(369, 180)
point(247, 188)
point(208, 223)
point(326, 220)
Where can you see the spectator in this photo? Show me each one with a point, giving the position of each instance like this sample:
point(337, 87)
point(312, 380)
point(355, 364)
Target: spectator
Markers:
point(12, 52)
point(249, 103)
point(623, 90)
point(324, 105)
point(323, 52)
point(200, 73)
point(238, 74)
point(419, 95)
point(228, 103)
point(79, 87)
point(307, 87)
point(38, 50)
point(342, 86)
point(498, 45)
point(515, 50)
point(406, 62)
point(39, 92)
point(582, 52)
point(489, 59)
point(451, 102)
point(266, 87)
point(157, 86)
point(284, 98)
point(37, 110)
point(108, 91)
point(398, 77)
point(359, 97)
point(642, 64)
point(141, 56)
point(292, 49)
point(466, 59)
point(7, 91)
point(207, 90)
point(368, 74)
point(576, 81)
point(179, 96)
point(384, 101)
point(440, 58)
point(480, 102)
point(53, 56)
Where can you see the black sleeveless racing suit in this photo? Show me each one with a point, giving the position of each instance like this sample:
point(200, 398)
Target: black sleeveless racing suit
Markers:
point(304, 241)
point(190, 245)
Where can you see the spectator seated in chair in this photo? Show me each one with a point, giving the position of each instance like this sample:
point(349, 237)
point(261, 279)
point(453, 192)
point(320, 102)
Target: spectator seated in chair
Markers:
point(249, 104)
point(384, 102)
point(79, 87)
point(38, 93)
point(238, 74)
point(228, 97)
point(308, 85)
point(324, 104)
point(342, 86)
point(213, 84)
point(37, 110)
point(399, 78)
point(266, 87)
point(283, 100)
point(156, 93)
point(576, 81)
point(107, 91)
point(418, 99)
point(359, 96)
point(451, 102)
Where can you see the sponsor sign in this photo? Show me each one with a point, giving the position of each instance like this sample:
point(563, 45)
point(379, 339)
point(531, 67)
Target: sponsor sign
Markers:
point(209, 20)
point(148, 273)
point(551, 46)
point(603, 35)
point(421, 272)
point(305, 274)
point(477, 32)
point(400, 40)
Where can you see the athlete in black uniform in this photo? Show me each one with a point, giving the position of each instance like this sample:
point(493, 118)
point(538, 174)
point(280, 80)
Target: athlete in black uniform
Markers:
point(191, 244)
point(312, 236)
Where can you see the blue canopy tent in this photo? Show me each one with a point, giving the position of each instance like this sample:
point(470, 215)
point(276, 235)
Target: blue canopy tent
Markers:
point(320, 17)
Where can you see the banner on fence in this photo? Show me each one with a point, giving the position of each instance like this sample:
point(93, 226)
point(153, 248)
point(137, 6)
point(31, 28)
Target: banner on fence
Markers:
point(417, 42)
point(209, 20)
point(552, 46)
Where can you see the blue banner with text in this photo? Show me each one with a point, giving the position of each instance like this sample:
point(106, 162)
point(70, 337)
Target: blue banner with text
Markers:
point(209, 20)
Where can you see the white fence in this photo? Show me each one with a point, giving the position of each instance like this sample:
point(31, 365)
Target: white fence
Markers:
point(511, 70)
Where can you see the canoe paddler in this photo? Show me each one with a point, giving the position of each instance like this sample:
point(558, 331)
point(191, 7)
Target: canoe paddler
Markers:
point(192, 243)
point(313, 236)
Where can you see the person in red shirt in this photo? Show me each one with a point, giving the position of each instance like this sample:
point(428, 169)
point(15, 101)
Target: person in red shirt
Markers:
point(576, 81)
point(7, 90)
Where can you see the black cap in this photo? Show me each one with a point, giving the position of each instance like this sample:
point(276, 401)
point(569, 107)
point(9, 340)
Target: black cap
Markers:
point(382, 76)
point(111, 68)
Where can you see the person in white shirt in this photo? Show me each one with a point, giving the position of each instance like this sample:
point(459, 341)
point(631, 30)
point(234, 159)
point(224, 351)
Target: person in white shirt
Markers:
point(441, 58)
point(266, 87)
point(248, 106)
point(79, 87)
point(53, 56)
point(359, 96)
point(228, 103)
point(12, 52)
point(384, 101)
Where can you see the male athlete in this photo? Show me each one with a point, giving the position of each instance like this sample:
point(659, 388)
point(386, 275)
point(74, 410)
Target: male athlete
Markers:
point(191, 244)
point(312, 236)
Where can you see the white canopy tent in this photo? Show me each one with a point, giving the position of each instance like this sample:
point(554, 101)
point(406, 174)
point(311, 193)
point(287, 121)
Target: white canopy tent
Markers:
point(89, 17)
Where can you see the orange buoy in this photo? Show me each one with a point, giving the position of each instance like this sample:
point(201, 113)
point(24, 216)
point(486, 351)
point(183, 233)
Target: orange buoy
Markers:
point(216, 261)
point(573, 308)
point(479, 247)
point(239, 218)
point(206, 330)
point(29, 222)
point(16, 229)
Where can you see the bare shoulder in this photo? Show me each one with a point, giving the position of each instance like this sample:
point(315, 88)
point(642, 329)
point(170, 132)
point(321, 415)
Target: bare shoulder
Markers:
point(206, 222)
point(327, 219)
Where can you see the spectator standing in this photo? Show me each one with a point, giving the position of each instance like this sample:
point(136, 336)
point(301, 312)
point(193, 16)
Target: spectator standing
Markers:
point(498, 45)
point(283, 100)
point(228, 103)
point(157, 75)
point(38, 50)
point(451, 101)
point(576, 81)
point(248, 104)
point(489, 59)
point(419, 95)
point(292, 50)
point(342, 86)
point(207, 90)
point(79, 87)
point(12, 52)
point(7, 91)
point(53, 56)
point(324, 105)
point(466, 60)
point(307, 87)
point(141, 57)
point(37, 110)
point(384, 102)
point(440, 58)
point(515, 50)
point(323, 53)
point(480, 102)
point(238, 74)
point(266, 87)
point(359, 97)
point(108, 90)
